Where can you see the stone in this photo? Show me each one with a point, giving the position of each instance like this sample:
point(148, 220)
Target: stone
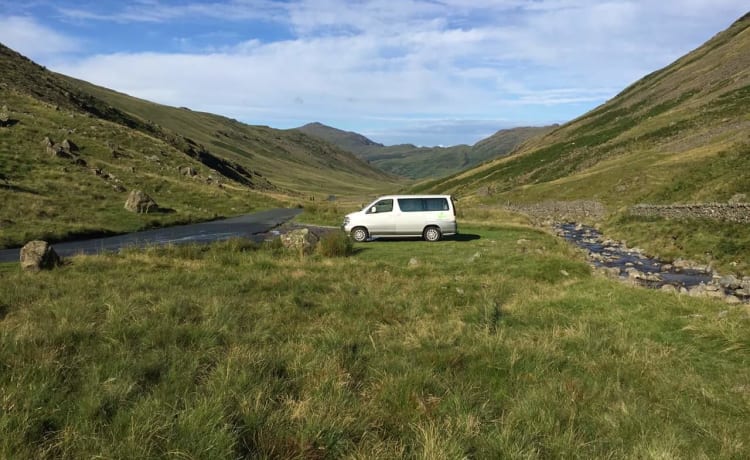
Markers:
point(4, 115)
point(38, 255)
point(69, 146)
point(140, 202)
point(188, 171)
point(476, 256)
point(301, 239)
point(732, 300)
point(669, 288)
point(730, 282)
point(81, 162)
point(413, 262)
point(118, 188)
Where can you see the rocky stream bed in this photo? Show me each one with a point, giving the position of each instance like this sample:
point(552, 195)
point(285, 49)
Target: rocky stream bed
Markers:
point(614, 259)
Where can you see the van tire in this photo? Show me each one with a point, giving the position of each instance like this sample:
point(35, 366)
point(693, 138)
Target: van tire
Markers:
point(432, 234)
point(360, 234)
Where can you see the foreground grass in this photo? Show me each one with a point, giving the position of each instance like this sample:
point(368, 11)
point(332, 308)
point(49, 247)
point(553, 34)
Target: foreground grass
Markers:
point(500, 344)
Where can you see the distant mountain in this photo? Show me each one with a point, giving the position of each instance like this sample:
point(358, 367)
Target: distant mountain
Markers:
point(70, 152)
point(347, 140)
point(414, 162)
point(680, 134)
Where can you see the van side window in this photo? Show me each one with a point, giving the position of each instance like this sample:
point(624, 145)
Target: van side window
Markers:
point(423, 204)
point(381, 206)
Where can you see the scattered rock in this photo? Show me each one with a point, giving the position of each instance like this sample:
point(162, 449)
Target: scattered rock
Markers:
point(730, 282)
point(732, 300)
point(119, 188)
point(38, 255)
point(669, 288)
point(459, 291)
point(188, 171)
point(69, 146)
point(301, 239)
point(476, 256)
point(723, 314)
point(81, 162)
point(564, 273)
point(4, 115)
point(413, 262)
point(140, 202)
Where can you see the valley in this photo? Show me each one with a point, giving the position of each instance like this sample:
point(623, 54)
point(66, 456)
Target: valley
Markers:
point(507, 341)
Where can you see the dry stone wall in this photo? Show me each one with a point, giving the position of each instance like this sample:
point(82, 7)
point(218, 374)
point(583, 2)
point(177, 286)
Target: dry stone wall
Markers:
point(737, 212)
point(575, 210)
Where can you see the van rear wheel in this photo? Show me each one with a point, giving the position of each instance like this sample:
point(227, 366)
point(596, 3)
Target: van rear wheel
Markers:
point(359, 234)
point(432, 234)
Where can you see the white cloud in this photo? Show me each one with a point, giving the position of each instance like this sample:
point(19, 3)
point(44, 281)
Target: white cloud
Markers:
point(418, 60)
point(34, 40)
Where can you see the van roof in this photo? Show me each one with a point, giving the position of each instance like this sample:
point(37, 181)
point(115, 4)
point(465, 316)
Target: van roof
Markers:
point(413, 196)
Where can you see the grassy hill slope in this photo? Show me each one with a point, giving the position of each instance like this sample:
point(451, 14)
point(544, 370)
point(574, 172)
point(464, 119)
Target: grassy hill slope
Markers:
point(680, 134)
point(414, 162)
point(195, 165)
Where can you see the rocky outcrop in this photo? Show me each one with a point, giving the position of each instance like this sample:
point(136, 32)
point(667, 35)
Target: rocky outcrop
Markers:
point(38, 255)
point(140, 202)
point(302, 240)
point(728, 212)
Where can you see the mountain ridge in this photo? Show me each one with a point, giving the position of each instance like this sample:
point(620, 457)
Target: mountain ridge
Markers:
point(418, 162)
point(679, 134)
point(196, 165)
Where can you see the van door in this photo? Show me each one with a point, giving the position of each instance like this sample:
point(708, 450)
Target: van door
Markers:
point(380, 218)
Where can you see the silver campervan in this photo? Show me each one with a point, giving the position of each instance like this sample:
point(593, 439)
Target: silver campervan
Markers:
point(428, 216)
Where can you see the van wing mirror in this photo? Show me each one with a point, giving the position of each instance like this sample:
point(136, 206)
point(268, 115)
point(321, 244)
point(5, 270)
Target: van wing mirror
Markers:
point(373, 209)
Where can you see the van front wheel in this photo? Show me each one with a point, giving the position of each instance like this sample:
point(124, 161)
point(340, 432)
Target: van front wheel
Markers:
point(360, 234)
point(432, 234)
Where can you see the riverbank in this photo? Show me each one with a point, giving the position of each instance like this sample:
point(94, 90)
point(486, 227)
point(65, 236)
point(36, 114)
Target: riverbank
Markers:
point(615, 259)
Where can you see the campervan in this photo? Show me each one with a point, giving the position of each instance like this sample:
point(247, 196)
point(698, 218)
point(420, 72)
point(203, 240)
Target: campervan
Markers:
point(428, 216)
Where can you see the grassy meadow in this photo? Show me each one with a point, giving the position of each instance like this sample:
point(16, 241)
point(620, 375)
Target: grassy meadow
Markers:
point(497, 344)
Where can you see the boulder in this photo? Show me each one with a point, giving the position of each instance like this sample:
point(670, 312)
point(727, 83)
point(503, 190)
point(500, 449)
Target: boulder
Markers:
point(38, 255)
point(188, 171)
point(301, 239)
point(69, 146)
point(140, 202)
point(4, 115)
point(730, 282)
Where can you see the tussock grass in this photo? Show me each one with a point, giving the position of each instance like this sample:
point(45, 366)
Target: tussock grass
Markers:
point(493, 347)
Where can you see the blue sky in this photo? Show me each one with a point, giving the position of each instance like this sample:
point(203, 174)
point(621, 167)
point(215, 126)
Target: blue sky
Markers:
point(428, 72)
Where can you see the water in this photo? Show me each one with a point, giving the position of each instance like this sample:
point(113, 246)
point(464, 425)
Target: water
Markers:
point(631, 263)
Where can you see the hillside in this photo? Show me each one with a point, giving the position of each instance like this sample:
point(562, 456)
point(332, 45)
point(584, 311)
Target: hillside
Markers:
point(414, 162)
point(347, 140)
point(195, 165)
point(680, 134)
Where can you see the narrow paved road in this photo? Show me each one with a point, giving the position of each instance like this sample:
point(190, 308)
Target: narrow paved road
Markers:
point(204, 232)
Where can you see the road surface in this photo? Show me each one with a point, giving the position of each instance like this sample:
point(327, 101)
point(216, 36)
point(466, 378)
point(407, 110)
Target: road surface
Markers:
point(204, 232)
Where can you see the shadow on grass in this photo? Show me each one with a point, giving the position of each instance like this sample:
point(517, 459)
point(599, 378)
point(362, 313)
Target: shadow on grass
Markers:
point(461, 237)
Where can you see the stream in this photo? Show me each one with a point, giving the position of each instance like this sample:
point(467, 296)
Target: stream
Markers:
point(617, 260)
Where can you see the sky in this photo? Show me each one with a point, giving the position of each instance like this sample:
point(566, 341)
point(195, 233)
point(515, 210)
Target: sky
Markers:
point(427, 72)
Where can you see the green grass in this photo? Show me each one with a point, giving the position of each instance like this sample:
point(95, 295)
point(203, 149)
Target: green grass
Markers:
point(487, 347)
